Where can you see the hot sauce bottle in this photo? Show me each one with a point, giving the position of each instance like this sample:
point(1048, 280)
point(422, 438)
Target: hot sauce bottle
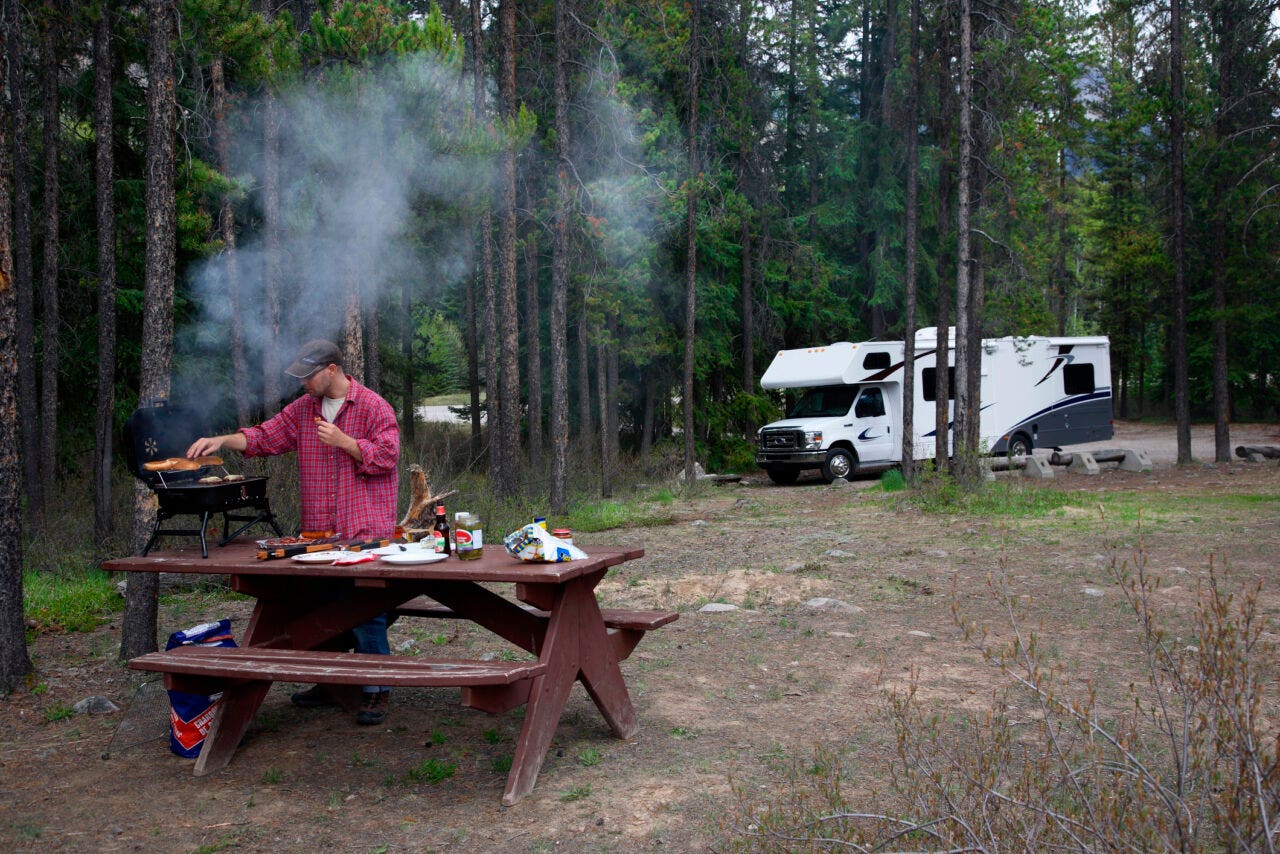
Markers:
point(441, 530)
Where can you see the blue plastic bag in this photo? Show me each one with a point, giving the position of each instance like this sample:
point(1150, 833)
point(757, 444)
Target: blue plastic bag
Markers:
point(191, 714)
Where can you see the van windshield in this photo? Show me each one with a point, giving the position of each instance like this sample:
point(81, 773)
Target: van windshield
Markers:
point(828, 401)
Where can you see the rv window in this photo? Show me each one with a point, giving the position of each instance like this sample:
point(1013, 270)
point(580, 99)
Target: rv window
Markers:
point(870, 405)
point(875, 361)
point(1077, 379)
point(929, 380)
point(828, 401)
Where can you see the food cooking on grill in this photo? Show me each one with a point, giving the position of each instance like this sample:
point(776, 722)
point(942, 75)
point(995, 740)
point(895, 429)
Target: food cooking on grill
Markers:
point(211, 479)
point(181, 464)
point(233, 478)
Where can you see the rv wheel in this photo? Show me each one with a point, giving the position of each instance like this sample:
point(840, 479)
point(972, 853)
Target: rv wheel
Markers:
point(839, 464)
point(1019, 445)
point(783, 476)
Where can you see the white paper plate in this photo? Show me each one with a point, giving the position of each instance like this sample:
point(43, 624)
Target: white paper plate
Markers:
point(420, 556)
point(405, 548)
point(318, 557)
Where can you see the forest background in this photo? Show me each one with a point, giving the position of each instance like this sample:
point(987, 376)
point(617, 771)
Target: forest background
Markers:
point(599, 219)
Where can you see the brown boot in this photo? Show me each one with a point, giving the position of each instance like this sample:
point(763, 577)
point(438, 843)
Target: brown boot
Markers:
point(373, 710)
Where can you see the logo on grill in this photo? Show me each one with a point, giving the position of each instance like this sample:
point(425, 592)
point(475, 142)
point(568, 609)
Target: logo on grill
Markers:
point(152, 446)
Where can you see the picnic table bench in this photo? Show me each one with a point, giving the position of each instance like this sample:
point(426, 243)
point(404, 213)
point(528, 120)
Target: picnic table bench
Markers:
point(304, 610)
point(626, 627)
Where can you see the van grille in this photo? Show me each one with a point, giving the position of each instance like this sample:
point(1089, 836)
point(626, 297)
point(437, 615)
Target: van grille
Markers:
point(781, 440)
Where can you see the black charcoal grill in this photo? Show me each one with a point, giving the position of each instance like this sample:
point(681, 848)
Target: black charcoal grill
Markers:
point(158, 431)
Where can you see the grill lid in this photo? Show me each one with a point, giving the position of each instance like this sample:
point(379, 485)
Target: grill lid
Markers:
point(159, 430)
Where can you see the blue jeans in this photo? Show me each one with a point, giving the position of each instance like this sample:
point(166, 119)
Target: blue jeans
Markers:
point(371, 637)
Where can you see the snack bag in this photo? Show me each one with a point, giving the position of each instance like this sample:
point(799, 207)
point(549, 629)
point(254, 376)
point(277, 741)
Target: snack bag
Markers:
point(191, 714)
point(533, 543)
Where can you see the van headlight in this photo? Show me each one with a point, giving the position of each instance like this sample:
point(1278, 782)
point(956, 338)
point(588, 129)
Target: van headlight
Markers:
point(813, 439)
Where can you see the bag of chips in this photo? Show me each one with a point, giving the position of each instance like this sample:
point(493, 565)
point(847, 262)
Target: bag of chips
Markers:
point(533, 543)
point(191, 714)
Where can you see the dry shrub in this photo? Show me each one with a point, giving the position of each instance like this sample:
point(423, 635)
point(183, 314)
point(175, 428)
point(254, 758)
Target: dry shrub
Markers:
point(1190, 764)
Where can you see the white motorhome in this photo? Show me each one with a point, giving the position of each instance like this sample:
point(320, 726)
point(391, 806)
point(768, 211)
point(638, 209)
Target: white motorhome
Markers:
point(1035, 392)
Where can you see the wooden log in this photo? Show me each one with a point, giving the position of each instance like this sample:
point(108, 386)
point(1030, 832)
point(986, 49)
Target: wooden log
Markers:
point(1271, 452)
point(1004, 462)
point(421, 515)
point(1109, 455)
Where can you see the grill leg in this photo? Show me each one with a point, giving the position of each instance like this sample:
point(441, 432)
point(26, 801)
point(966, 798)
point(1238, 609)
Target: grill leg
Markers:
point(155, 535)
point(204, 526)
point(264, 515)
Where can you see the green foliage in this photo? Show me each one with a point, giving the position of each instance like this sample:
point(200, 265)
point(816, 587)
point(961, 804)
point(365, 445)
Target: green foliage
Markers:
point(75, 601)
point(431, 771)
point(58, 712)
point(940, 494)
point(892, 481)
point(576, 793)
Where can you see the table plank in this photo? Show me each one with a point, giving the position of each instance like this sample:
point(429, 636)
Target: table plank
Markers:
point(494, 566)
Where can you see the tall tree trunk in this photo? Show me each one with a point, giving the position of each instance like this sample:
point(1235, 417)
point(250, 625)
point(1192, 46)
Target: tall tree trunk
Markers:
point(138, 629)
point(51, 319)
point(493, 399)
point(272, 227)
point(586, 425)
point(647, 422)
point(965, 464)
point(911, 132)
point(507, 447)
point(372, 347)
point(15, 663)
point(533, 348)
point(24, 283)
point(352, 340)
point(1221, 389)
point(746, 172)
point(1181, 386)
point(482, 277)
point(558, 333)
point(473, 337)
point(105, 208)
point(691, 240)
point(408, 428)
point(946, 176)
point(1227, 28)
point(748, 309)
point(227, 230)
point(611, 389)
point(602, 397)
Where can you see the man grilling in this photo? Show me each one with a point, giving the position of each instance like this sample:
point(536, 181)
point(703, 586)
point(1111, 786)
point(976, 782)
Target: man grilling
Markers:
point(348, 445)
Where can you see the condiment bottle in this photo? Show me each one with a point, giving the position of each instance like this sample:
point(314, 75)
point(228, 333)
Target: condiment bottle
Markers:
point(563, 534)
point(441, 531)
point(468, 536)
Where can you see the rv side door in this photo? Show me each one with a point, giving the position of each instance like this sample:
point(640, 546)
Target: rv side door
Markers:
point(873, 427)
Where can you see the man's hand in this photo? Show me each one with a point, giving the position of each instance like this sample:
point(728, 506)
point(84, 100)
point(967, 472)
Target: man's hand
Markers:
point(206, 445)
point(335, 438)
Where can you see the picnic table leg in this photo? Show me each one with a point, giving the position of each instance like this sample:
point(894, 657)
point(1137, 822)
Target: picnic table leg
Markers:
point(235, 712)
point(598, 662)
point(547, 696)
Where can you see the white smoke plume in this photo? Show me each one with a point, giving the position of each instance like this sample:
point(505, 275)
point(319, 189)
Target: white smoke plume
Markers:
point(375, 171)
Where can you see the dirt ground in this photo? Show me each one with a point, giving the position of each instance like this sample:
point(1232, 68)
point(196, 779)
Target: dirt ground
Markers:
point(726, 700)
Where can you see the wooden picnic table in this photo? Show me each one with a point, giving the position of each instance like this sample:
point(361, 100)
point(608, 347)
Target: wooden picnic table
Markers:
point(304, 610)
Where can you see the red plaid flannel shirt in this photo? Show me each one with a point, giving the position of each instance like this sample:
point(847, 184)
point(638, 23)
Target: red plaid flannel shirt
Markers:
point(354, 500)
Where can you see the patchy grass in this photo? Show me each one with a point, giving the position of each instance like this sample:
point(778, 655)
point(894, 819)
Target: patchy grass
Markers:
point(940, 494)
point(75, 602)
